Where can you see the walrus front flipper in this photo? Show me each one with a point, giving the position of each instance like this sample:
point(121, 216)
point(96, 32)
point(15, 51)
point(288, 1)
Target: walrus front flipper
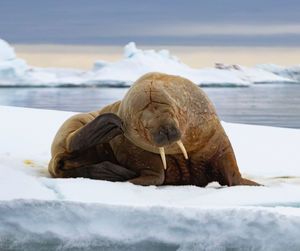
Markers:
point(226, 168)
point(101, 130)
point(151, 171)
point(247, 182)
point(105, 170)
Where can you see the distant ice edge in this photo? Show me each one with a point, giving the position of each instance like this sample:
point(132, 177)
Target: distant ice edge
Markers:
point(16, 72)
point(45, 225)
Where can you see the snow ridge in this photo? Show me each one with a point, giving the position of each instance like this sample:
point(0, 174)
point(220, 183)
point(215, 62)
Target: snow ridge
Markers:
point(67, 225)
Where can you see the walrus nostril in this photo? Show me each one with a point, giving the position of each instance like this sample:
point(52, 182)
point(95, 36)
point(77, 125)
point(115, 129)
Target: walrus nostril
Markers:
point(166, 135)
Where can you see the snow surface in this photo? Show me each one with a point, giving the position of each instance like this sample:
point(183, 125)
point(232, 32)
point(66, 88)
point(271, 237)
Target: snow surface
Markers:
point(39, 212)
point(135, 63)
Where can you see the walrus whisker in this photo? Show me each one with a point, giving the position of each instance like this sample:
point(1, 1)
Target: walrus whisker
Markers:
point(163, 156)
point(182, 148)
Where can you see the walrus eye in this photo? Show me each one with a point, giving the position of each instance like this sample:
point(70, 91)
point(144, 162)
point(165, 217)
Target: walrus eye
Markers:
point(163, 155)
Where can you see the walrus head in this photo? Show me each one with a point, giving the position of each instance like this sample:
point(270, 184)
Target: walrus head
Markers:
point(152, 117)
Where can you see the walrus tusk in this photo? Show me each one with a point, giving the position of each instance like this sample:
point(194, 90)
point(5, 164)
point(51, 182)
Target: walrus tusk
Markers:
point(163, 156)
point(182, 148)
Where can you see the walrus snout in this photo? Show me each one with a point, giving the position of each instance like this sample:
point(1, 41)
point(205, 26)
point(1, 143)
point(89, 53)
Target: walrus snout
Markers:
point(166, 135)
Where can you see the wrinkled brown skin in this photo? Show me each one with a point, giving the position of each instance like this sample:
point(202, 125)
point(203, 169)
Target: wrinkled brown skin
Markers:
point(154, 100)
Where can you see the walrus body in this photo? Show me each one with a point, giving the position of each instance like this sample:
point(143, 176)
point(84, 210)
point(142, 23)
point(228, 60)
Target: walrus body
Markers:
point(147, 137)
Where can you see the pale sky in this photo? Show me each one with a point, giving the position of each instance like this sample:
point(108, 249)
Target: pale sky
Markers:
point(156, 22)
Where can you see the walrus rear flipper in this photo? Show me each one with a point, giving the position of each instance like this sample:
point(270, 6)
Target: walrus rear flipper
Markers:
point(101, 130)
point(82, 142)
point(83, 146)
point(101, 171)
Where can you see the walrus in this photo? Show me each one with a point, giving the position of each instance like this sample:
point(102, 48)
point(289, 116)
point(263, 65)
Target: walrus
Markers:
point(165, 131)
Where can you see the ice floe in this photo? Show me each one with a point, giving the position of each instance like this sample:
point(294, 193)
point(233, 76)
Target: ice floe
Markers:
point(39, 212)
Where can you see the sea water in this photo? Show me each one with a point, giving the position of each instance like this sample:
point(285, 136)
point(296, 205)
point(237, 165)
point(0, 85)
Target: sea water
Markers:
point(272, 104)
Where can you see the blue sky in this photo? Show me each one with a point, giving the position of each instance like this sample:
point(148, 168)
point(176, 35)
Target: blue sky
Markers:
point(163, 22)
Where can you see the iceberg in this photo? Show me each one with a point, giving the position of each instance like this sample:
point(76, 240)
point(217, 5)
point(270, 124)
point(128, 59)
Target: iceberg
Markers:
point(291, 72)
point(16, 72)
point(6, 51)
point(135, 63)
point(12, 69)
point(39, 212)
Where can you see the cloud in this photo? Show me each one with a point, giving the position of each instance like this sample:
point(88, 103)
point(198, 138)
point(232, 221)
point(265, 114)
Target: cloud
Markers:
point(192, 29)
point(151, 22)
